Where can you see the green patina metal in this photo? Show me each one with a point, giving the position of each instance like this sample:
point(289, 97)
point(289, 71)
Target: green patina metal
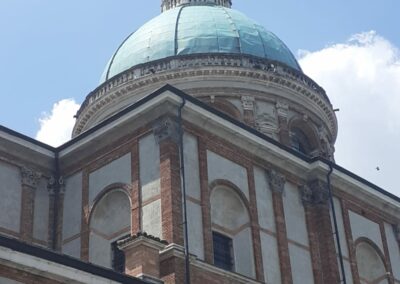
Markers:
point(198, 29)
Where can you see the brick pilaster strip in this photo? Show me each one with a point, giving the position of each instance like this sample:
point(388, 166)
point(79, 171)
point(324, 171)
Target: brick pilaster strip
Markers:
point(136, 196)
point(85, 230)
point(312, 228)
point(171, 196)
point(255, 227)
point(350, 242)
point(315, 198)
point(276, 182)
point(205, 203)
point(29, 183)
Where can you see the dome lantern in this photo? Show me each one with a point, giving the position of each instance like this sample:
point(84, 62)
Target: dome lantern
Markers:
point(170, 4)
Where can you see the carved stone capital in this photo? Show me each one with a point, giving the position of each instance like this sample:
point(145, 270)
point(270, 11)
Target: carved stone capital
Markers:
point(248, 103)
point(276, 181)
point(30, 177)
point(314, 193)
point(282, 109)
point(53, 185)
point(166, 128)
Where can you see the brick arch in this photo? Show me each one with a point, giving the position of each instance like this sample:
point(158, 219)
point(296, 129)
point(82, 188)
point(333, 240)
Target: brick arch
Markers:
point(123, 187)
point(376, 248)
point(226, 183)
point(224, 106)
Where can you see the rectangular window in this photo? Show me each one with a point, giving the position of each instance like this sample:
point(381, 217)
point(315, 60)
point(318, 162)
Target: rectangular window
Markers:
point(223, 251)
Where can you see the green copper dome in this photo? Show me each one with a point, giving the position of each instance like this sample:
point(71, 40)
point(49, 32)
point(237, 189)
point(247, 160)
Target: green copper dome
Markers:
point(194, 30)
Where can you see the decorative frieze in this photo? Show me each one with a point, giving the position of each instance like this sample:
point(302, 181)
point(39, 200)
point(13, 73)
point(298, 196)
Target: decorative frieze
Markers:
point(276, 181)
point(30, 177)
point(314, 193)
point(166, 128)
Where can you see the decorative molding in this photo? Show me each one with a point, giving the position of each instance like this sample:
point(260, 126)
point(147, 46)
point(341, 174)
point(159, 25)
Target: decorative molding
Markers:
point(267, 124)
point(314, 193)
point(247, 103)
point(30, 177)
point(282, 109)
point(276, 181)
point(178, 67)
point(54, 185)
point(166, 128)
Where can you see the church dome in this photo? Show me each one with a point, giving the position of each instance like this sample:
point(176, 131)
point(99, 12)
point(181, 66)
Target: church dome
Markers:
point(198, 29)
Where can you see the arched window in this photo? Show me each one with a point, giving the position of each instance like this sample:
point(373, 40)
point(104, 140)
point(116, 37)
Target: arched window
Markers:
point(299, 141)
point(110, 220)
point(232, 239)
point(371, 267)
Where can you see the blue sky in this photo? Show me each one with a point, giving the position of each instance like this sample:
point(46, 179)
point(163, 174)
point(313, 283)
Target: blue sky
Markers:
point(53, 50)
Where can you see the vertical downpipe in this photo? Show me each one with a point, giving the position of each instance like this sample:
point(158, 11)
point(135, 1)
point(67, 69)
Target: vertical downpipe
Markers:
point(183, 185)
point(328, 177)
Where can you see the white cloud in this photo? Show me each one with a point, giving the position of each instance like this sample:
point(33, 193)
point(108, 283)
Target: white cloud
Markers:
point(56, 127)
point(362, 78)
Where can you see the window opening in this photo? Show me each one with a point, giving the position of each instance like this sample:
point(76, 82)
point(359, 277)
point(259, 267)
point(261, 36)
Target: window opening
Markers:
point(223, 251)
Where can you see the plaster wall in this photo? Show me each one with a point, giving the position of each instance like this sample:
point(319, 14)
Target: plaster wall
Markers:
point(149, 159)
point(191, 160)
point(265, 206)
point(72, 248)
point(300, 261)
point(110, 220)
point(363, 227)
point(72, 212)
point(151, 218)
point(195, 229)
point(243, 253)
point(99, 250)
point(221, 168)
point(8, 281)
point(294, 215)
point(10, 201)
point(272, 270)
point(394, 251)
point(339, 218)
point(41, 212)
point(118, 171)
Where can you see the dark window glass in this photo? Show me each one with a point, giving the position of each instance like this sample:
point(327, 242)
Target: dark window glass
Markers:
point(299, 141)
point(223, 251)
point(118, 257)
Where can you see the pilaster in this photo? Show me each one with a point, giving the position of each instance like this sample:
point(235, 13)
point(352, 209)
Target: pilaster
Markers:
point(277, 184)
point(166, 132)
point(29, 181)
point(248, 103)
point(282, 109)
point(315, 196)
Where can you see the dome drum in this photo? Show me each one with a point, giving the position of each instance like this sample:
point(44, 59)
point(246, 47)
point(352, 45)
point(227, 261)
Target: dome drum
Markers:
point(237, 74)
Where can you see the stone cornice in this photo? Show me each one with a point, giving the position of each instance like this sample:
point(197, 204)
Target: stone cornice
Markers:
point(180, 67)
